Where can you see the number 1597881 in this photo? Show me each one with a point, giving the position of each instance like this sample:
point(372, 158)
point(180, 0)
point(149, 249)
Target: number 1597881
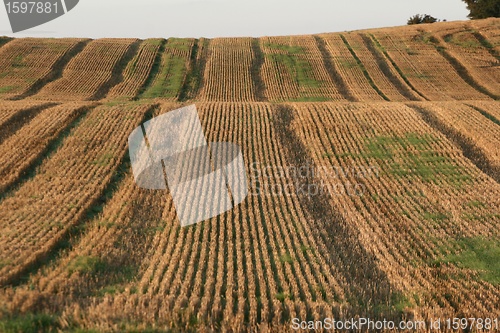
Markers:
point(32, 7)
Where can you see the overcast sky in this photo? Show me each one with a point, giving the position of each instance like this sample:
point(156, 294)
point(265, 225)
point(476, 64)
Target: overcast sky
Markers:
point(218, 18)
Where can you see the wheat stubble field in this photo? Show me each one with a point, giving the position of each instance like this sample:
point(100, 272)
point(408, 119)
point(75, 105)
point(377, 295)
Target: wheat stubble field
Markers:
point(402, 223)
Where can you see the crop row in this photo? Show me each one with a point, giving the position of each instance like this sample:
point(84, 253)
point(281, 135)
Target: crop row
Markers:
point(414, 210)
point(36, 217)
point(488, 29)
point(392, 204)
point(170, 76)
point(465, 46)
point(23, 62)
point(137, 71)
point(420, 62)
point(294, 69)
point(87, 72)
point(21, 150)
point(490, 109)
point(350, 70)
point(385, 77)
point(228, 71)
point(452, 63)
point(11, 109)
point(480, 133)
point(244, 267)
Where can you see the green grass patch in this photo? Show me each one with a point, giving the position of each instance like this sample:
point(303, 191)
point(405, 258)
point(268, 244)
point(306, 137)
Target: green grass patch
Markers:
point(414, 158)
point(300, 69)
point(153, 41)
point(430, 168)
point(305, 249)
point(400, 302)
point(311, 99)
point(328, 155)
point(397, 304)
point(194, 77)
point(86, 265)
point(424, 37)
point(478, 254)
point(382, 147)
point(421, 76)
point(180, 44)
point(287, 48)
point(480, 217)
point(170, 78)
point(104, 159)
point(29, 323)
point(171, 72)
point(348, 63)
point(475, 204)
point(286, 258)
point(437, 217)
point(7, 89)
point(105, 224)
point(111, 290)
point(18, 61)
point(464, 40)
point(282, 296)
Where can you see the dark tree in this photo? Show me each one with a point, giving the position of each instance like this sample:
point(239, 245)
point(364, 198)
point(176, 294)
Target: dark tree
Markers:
point(419, 19)
point(480, 9)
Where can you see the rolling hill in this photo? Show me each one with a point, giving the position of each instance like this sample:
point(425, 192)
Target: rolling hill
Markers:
point(373, 161)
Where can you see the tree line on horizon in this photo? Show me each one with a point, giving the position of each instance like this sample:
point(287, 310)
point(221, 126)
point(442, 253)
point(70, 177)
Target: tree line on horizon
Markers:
point(478, 9)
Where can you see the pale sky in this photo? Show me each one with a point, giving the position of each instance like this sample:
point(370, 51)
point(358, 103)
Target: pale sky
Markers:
point(225, 18)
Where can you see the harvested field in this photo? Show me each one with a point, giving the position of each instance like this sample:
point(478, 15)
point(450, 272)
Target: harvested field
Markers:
point(87, 74)
point(373, 168)
point(28, 63)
